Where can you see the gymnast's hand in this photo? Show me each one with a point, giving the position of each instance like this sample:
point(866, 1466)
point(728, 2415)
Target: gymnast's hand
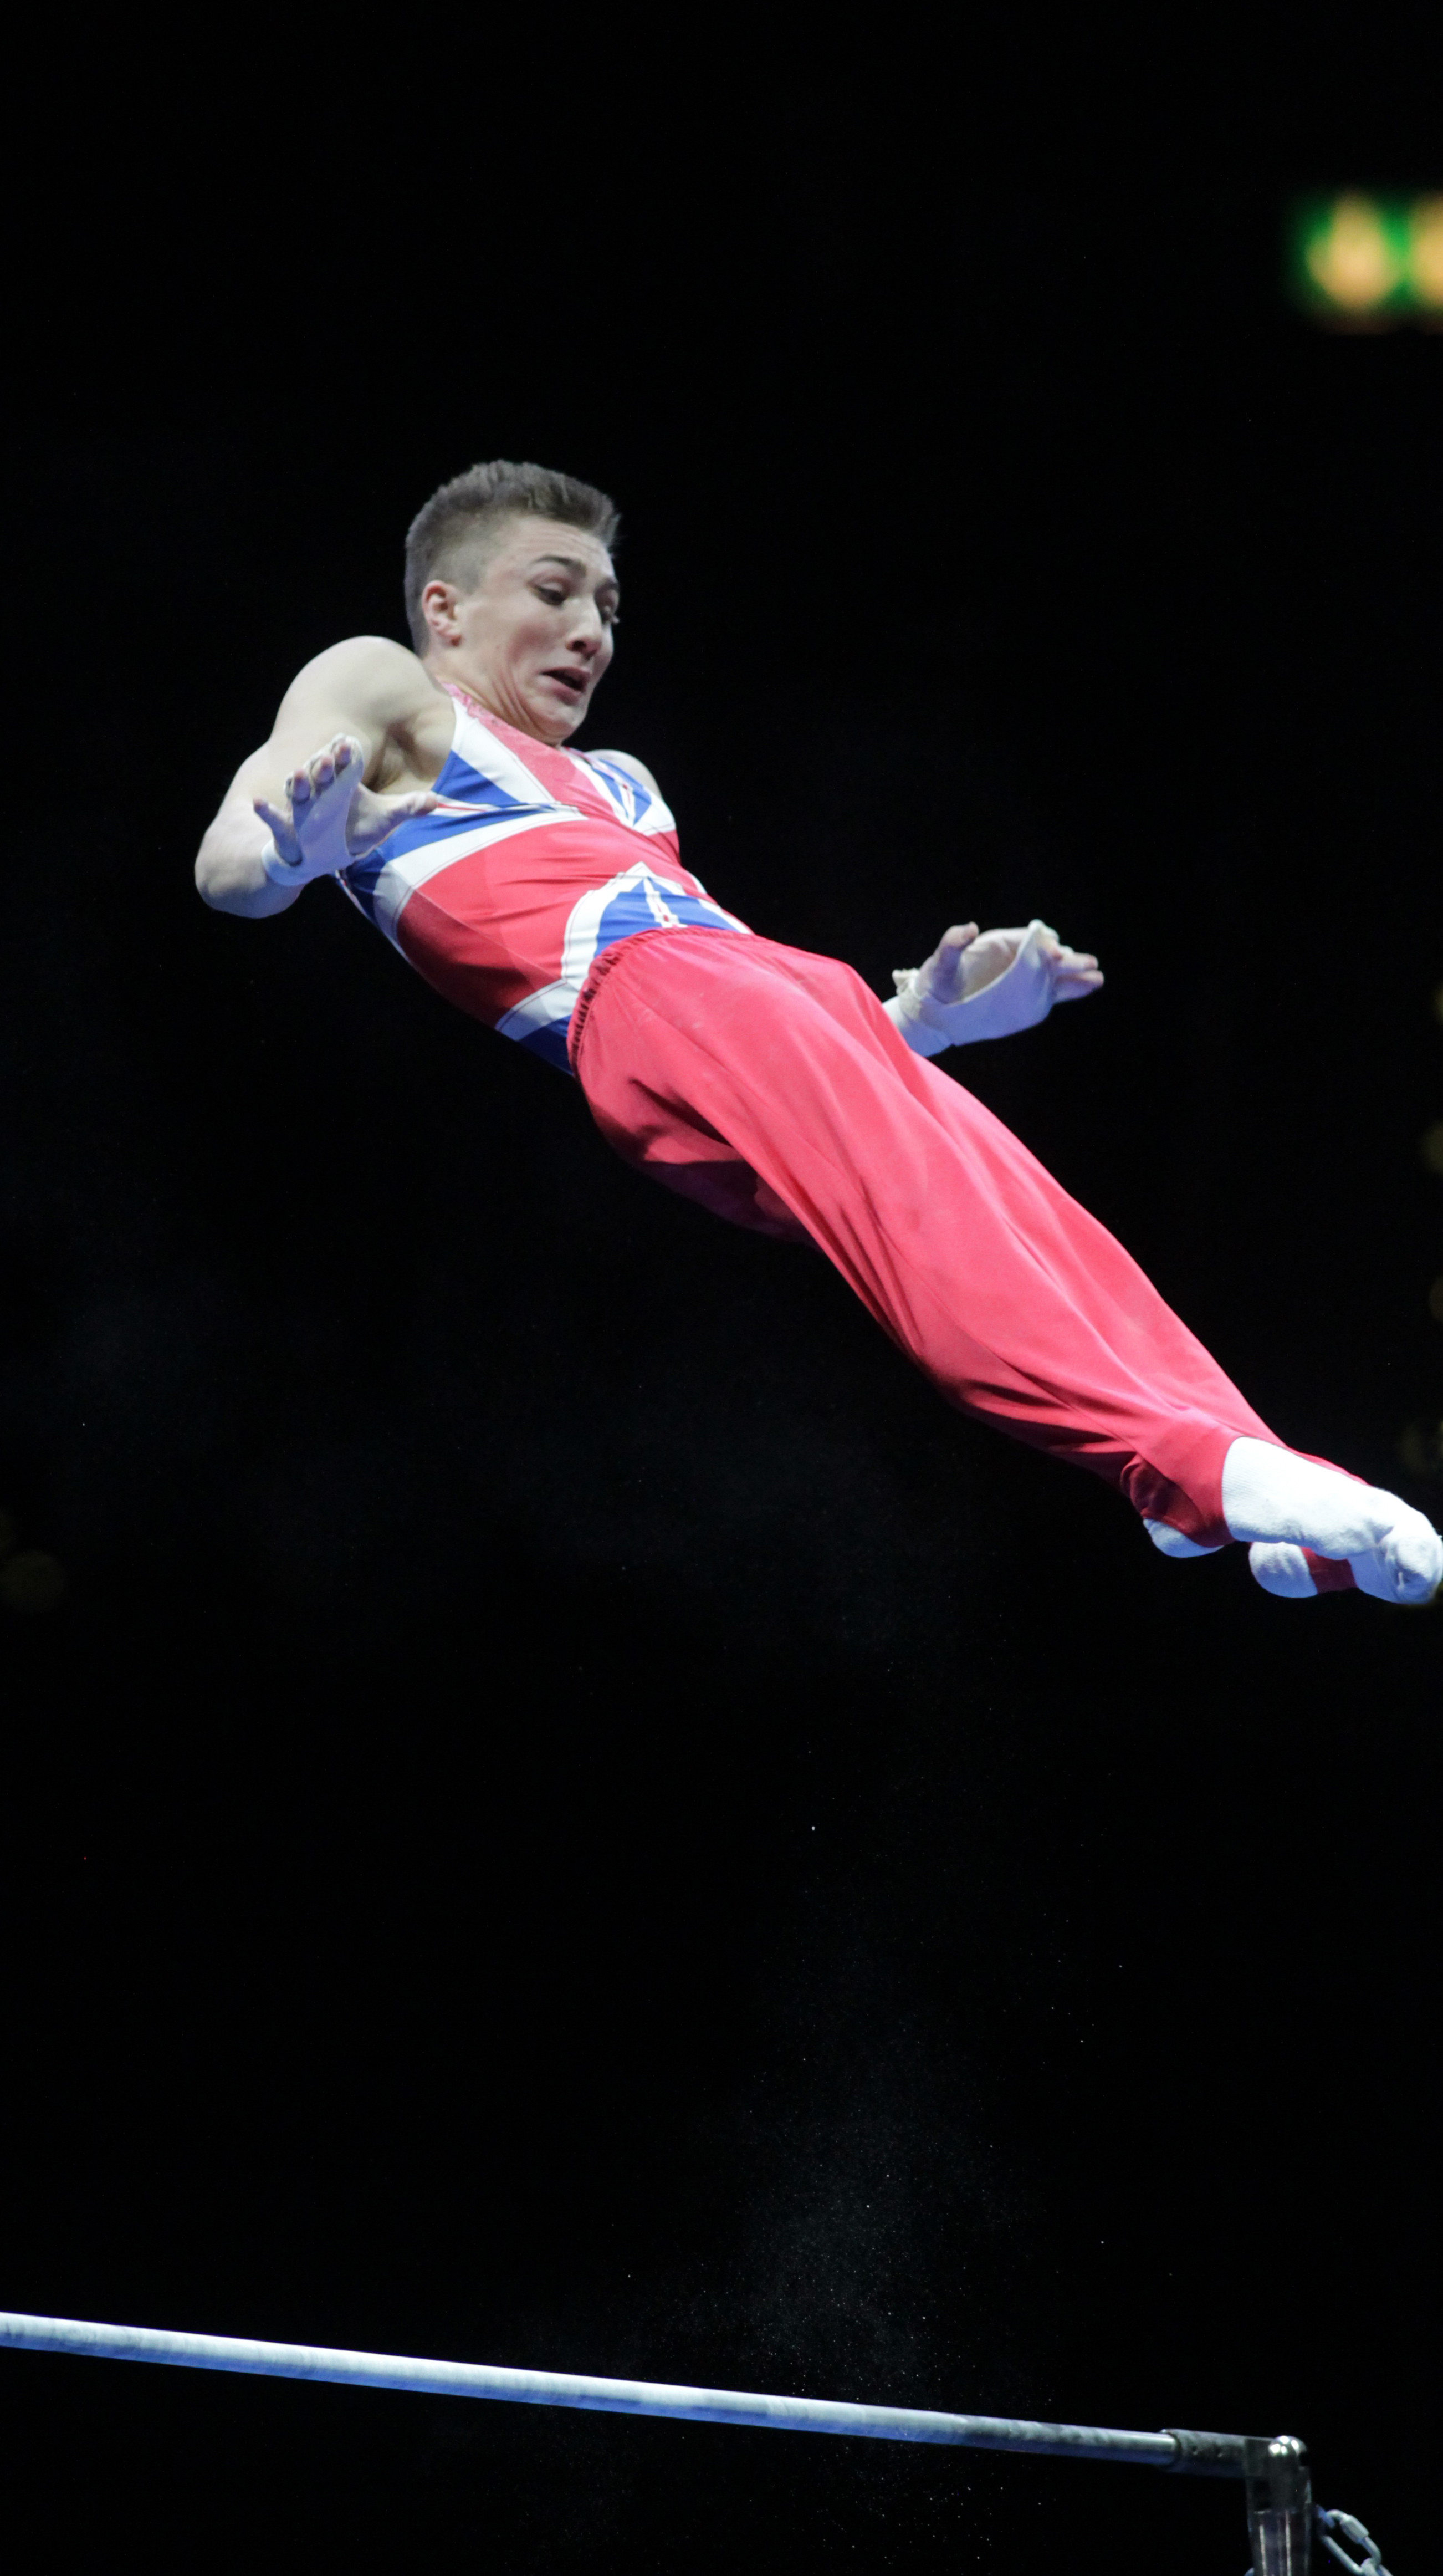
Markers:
point(988, 984)
point(966, 960)
point(331, 817)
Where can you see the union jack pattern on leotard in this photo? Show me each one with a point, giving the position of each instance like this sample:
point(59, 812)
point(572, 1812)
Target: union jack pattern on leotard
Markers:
point(535, 860)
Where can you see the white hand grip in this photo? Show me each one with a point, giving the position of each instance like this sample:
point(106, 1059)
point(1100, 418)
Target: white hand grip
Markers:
point(1016, 999)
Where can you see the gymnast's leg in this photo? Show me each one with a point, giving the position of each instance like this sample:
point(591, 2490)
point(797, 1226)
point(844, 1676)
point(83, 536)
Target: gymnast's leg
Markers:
point(771, 1085)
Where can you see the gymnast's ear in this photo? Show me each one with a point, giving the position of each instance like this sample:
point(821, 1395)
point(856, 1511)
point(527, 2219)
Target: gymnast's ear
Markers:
point(439, 603)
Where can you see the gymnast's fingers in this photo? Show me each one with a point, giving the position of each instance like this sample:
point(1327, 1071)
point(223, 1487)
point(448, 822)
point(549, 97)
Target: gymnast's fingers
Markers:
point(282, 825)
point(375, 818)
point(421, 800)
point(942, 974)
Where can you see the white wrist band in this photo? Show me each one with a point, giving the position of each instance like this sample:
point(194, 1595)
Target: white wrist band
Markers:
point(908, 1012)
point(282, 872)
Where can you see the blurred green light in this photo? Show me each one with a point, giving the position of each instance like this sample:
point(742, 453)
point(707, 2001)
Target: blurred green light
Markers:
point(1366, 261)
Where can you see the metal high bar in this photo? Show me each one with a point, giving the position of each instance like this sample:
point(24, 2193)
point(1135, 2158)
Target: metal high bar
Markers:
point(1195, 2454)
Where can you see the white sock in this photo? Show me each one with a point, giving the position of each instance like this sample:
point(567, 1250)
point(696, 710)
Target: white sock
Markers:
point(1172, 1542)
point(1271, 1494)
point(1282, 1569)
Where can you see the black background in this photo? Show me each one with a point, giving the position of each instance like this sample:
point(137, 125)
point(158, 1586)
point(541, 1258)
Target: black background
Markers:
point(571, 1814)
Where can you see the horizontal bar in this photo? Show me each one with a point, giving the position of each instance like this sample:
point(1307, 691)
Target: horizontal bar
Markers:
point(1215, 2454)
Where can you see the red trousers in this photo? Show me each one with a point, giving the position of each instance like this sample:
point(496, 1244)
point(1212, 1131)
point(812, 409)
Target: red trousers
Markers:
point(771, 1085)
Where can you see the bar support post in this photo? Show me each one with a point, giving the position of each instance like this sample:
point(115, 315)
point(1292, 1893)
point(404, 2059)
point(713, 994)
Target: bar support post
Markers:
point(1280, 2505)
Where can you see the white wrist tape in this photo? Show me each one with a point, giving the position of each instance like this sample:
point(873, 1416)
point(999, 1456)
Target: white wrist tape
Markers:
point(280, 871)
point(304, 871)
point(1018, 998)
point(905, 1013)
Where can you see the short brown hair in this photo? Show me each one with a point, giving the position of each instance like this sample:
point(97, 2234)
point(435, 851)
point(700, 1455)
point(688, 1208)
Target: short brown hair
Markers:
point(447, 539)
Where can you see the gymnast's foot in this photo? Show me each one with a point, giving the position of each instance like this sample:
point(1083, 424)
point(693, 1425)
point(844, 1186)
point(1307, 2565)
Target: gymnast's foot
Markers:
point(1172, 1542)
point(1284, 1505)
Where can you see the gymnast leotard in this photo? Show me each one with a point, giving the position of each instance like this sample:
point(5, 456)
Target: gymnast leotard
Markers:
point(536, 861)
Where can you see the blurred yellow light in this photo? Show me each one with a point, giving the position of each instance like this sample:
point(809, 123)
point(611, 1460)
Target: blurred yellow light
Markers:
point(1431, 1148)
point(1352, 259)
point(1435, 1301)
point(1425, 250)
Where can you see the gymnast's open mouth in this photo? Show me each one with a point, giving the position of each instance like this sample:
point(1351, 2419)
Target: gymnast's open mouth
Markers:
point(574, 682)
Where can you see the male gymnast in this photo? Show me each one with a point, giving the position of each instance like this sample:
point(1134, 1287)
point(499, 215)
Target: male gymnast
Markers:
point(542, 890)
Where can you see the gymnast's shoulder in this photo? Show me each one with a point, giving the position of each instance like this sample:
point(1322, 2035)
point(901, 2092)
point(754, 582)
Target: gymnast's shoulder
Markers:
point(634, 768)
point(378, 684)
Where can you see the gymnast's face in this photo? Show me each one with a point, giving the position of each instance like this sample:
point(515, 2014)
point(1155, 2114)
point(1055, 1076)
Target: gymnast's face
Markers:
point(533, 636)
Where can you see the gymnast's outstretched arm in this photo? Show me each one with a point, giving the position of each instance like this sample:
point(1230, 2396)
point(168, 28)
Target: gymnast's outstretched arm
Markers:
point(307, 802)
